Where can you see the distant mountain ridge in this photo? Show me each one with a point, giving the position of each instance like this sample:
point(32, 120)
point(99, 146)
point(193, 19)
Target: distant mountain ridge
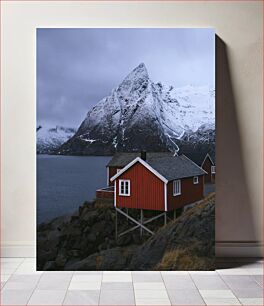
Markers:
point(50, 139)
point(140, 114)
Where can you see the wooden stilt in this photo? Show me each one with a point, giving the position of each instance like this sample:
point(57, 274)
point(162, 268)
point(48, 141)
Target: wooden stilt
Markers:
point(165, 218)
point(174, 214)
point(116, 225)
point(141, 222)
point(127, 214)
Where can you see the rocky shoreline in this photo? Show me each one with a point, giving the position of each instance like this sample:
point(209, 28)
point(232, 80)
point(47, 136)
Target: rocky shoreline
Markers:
point(86, 241)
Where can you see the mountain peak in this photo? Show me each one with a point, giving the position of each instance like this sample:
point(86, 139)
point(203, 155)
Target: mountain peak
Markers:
point(140, 72)
point(141, 68)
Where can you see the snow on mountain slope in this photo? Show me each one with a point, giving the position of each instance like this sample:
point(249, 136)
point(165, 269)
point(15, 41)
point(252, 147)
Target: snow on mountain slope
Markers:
point(51, 138)
point(140, 114)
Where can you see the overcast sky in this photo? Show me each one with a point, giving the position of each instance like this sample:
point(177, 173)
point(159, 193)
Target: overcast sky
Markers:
point(78, 67)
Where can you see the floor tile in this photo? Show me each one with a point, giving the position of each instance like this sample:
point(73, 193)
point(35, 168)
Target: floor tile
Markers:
point(10, 265)
point(87, 297)
point(15, 297)
point(258, 279)
point(27, 268)
point(211, 273)
point(87, 278)
point(47, 297)
point(116, 277)
point(24, 278)
point(88, 273)
point(8, 270)
point(20, 285)
point(149, 286)
point(118, 297)
point(248, 293)
point(85, 286)
point(12, 259)
point(251, 301)
point(5, 277)
point(117, 286)
point(240, 282)
point(150, 302)
point(146, 277)
point(174, 273)
point(54, 281)
point(217, 294)
point(209, 282)
point(178, 282)
point(31, 260)
point(254, 271)
point(185, 297)
point(151, 294)
point(222, 301)
point(233, 271)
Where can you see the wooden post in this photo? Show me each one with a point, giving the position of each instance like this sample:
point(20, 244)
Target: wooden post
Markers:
point(116, 225)
point(165, 218)
point(174, 214)
point(127, 214)
point(141, 222)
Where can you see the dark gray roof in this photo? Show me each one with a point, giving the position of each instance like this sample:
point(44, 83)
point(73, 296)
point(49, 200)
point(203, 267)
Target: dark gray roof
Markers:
point(122, 159)
point(198, 158)
point(175, 167)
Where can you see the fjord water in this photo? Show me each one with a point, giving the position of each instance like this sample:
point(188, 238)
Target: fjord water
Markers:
point(65, 182)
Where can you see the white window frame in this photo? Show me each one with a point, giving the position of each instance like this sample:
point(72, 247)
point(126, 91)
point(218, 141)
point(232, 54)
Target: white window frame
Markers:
point(124, 193)
point(213, 169)
point(196, 180)
point(176, 190)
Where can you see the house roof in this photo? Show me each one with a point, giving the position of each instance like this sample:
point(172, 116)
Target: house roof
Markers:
point(167, 168)
point(122, 159)
point(199, 158)
point(176, 167)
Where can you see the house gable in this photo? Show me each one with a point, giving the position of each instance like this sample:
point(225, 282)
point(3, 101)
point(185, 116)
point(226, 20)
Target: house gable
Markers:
point(207, 156)
point(147, 191)
point(142, 162)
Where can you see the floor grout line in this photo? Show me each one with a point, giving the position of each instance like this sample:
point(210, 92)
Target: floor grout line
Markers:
point(99, 298)
point(35, 288)
point(231, 288)
point(166, 288)
point(67, 290)
point(197, 287)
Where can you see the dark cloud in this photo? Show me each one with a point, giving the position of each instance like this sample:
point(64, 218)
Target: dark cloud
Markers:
point(78, 67)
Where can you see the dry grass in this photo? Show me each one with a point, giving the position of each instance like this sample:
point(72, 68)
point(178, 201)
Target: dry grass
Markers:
point(184, 259)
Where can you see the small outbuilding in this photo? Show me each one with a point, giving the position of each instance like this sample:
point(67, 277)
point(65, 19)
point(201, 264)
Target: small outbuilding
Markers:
point(207, 163)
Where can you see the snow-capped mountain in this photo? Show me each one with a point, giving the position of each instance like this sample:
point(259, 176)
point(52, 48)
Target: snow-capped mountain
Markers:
point(51, 138)
point(140, 114)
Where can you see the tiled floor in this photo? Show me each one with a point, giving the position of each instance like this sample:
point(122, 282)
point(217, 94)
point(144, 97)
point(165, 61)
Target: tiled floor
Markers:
point(239, 283)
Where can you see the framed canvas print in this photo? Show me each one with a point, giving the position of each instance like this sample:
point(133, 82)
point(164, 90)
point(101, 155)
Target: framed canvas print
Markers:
point(125, 148)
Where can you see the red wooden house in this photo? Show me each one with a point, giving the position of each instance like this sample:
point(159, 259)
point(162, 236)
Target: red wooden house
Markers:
point(162, 182)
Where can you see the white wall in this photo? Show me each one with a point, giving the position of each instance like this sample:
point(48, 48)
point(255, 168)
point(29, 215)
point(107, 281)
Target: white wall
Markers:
point(239, 107)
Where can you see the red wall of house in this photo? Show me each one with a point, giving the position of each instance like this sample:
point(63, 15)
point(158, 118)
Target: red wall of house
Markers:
point(146, 189)
point(209, 177)
point(189, 193)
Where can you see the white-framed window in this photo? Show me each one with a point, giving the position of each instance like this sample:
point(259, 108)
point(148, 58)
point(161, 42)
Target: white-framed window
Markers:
point(176, 187)
point(124, 188)
point(195, 179)
point(213, 169)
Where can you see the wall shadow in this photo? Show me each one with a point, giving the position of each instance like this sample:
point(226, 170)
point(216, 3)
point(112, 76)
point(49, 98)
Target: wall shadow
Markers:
point(234, 216)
